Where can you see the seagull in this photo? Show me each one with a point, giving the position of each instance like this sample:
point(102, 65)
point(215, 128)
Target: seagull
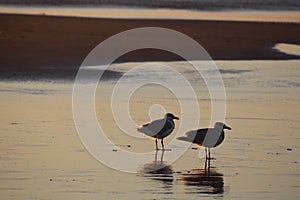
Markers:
point(207, 137)
point(159, 129)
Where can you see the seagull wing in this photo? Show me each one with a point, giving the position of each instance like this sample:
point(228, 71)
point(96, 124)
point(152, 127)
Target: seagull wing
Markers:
point(198, 135)
point(153, 128)
point(213, 138)
point(207, 137)
point(166, 129)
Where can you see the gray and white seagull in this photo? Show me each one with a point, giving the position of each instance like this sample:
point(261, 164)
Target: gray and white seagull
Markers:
point(159, 129)
point(207, 137)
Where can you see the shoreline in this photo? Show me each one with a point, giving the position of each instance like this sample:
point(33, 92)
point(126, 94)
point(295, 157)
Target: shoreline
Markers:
point(39, 44)
point(169, 4)
point(146, 13)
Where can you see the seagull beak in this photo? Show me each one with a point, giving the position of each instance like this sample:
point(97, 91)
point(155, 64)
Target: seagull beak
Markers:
point(227, 127)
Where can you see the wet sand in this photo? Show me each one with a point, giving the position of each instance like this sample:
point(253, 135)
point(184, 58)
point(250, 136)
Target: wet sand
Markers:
point(43, 158)
point(139, 13)
point(37, 45)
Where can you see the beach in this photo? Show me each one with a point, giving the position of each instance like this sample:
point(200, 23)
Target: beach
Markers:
point(41, 45)
point(42, 156)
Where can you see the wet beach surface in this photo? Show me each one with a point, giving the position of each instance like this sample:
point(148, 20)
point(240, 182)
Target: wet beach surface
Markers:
point(42, 156)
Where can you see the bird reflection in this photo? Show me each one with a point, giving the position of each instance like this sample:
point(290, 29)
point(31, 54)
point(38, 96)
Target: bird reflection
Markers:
point(158, 169)
point(204, 181)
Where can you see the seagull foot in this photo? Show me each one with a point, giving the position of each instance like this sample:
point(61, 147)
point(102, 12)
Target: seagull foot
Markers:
point(164, 149)
point(210, 158)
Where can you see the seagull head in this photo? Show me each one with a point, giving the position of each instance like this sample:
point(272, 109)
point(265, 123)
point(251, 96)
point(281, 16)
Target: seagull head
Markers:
point(171, 116)
point(221, 126)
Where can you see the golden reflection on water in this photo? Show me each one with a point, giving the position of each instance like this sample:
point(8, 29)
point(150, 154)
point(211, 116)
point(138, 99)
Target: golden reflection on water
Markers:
point(203, 181)
point(43, 158)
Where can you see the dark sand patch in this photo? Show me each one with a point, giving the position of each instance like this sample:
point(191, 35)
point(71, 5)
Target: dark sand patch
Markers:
point(35, 46)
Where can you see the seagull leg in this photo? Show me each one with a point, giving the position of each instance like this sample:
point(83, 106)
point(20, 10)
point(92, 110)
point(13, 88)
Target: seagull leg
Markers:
point(155, 157)
point(208, 166)
point(156, 144)
point(209, 153)
point(162, 144)
point(205, 154)
point(162, 157)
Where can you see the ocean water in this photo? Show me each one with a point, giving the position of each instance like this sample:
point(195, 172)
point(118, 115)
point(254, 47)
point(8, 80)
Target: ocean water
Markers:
point(177, 4)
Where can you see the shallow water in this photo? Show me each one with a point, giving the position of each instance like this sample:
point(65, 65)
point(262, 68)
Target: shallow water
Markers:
point(42, 156)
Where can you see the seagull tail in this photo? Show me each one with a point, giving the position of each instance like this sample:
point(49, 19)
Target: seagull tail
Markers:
point(145, 131)
point(188, 137)
point(183, 138)
point(139, 129)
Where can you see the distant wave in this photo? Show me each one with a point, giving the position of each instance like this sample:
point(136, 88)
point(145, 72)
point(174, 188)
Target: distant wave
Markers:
point(173, 4)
